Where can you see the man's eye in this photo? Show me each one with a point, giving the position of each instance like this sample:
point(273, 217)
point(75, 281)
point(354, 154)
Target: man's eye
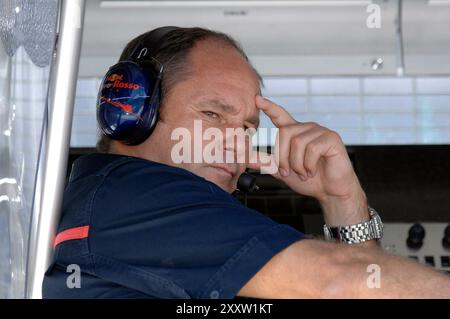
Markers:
point(211, 114)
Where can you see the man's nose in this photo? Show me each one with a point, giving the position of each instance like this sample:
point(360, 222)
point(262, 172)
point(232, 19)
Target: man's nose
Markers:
point(236, 142)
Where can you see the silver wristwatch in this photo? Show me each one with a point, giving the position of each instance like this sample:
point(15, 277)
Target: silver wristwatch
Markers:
point(358, 233)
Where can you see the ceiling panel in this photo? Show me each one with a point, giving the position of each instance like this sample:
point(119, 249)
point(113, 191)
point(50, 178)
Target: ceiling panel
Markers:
point(286, 39)
point(426, 37)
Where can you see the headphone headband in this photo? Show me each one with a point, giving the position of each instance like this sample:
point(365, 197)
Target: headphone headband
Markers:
point(150, 44)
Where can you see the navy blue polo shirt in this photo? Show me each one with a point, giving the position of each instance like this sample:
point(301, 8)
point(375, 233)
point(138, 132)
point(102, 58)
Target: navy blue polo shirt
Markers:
point(156, 231)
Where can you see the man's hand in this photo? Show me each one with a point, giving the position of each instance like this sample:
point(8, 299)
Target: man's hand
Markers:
point(312, 160)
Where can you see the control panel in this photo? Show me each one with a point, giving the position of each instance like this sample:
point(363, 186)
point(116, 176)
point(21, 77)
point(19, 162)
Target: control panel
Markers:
point(427, 243)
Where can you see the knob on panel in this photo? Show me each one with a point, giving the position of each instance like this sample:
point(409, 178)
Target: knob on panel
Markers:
point(416, 234)
point(446, 239)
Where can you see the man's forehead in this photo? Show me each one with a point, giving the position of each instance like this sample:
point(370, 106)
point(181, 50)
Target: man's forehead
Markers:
point(212, 55)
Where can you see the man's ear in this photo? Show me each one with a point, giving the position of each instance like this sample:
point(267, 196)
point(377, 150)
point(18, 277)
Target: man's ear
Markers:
point(161, 113)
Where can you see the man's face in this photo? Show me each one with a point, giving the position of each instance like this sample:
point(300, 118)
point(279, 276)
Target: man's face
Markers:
point(221, 94)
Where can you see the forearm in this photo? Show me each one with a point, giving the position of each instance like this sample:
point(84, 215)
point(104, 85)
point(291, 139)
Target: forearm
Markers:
point(398, 277)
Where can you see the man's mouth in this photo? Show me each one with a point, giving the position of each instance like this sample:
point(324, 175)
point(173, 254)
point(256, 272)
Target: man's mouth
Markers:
point(224, 170)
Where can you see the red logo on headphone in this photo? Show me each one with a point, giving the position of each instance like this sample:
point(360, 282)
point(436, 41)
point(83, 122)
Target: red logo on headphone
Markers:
point(125, 107)
point(114, 77)
point(116, 80)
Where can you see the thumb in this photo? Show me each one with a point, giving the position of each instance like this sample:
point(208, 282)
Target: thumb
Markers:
point(263, 162)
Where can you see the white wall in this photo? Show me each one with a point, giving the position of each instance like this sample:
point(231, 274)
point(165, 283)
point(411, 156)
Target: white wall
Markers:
point(364, 110)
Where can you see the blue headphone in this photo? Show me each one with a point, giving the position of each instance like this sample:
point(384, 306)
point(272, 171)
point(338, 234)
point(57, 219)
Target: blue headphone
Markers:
point(130, 92)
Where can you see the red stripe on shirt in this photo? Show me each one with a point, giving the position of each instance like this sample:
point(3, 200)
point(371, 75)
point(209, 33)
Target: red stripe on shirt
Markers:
point(70, 234)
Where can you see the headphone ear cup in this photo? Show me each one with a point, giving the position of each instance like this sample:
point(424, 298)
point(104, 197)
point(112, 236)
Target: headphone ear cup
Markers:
point(128, 102)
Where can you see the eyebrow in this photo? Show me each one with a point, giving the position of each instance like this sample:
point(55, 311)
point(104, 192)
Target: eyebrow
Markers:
point(230, 109)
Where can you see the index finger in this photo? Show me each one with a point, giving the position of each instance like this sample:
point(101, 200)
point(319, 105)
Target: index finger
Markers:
point(278, 115)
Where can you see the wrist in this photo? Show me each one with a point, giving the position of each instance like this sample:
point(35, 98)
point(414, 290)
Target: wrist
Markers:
point(345, 210)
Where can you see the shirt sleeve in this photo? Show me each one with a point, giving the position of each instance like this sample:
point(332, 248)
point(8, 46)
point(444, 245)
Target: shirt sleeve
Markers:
point(182, 231)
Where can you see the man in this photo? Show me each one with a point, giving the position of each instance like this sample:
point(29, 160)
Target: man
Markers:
point(142, 225)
